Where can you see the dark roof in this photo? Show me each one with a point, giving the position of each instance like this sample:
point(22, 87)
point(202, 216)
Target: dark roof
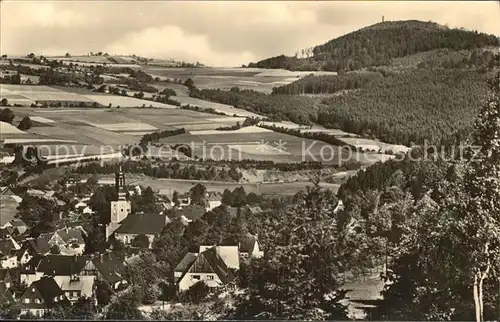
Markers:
point(72, 234)
point(142, 224)
point(17, 222)
point(6, 247)
point(48, 289)
point(41, 244)
point(217, 264)
point(110, 267)
point(207, 262)
point(6, 296)
point(62, 265)
point(192, 212)
point(32, 264)
point(186, 262)
point(4, 273)
point(247, 243)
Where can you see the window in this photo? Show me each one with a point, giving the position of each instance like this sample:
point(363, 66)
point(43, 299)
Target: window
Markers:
point(210, 277)
point(27, 301)
point(195, 277)
point(37, 301)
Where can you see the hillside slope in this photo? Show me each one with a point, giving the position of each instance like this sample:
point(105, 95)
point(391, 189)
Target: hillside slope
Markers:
point(378, 44)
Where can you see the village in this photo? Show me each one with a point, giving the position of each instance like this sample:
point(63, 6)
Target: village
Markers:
point(60, 266)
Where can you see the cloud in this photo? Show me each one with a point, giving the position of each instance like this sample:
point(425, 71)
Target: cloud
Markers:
point(214, 32)
point(40, 14)
point(173, 42)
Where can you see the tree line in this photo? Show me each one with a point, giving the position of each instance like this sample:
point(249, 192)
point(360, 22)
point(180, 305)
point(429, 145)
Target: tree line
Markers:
point(171, 170)
point(327, 84)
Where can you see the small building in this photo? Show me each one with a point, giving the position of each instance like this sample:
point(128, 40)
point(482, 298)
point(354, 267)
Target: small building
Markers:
point(108, 267)
point(6, 296)
point(249, 247)
point(206, 266)
point(76, 287)
point(8, 253)
point(5, 277)
point(42, 296)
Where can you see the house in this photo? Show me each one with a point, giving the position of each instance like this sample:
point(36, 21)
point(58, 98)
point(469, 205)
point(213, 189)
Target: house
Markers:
point(39, 245)
point(8, 255)
point(147, 224)
point(212, 201)
point(206, 266)
point(212, 264)
point(28, 273)
point(6, 296)
point(70, 240)
point(190, 213)
point(75, 287)
point(110, 268)
point(249, 247)
point(42, 296)
point(60, 266)
point(19, 226)
point(5, 277)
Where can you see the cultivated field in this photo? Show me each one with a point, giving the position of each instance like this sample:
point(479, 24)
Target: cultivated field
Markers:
point(262, 80)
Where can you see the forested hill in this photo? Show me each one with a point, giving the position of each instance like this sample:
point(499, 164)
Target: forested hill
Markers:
point(378, 44)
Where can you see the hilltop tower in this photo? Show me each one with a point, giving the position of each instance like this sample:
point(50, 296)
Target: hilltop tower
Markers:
point(121, 207)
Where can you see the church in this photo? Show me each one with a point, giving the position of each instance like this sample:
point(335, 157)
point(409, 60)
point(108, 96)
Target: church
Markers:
point(126, 226)
point(120, 208)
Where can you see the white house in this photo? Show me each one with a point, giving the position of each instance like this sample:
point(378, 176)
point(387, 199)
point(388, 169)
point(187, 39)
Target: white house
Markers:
point(212, 265)
point(249, 247)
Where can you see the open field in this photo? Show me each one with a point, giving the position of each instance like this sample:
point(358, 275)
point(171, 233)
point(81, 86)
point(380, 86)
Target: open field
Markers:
point(223, 108)
point(262, 80)
point(167, 186)
point(124, 101)
point(266, 146)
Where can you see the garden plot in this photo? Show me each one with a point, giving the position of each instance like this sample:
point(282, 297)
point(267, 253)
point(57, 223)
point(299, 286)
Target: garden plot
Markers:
point(125, 101)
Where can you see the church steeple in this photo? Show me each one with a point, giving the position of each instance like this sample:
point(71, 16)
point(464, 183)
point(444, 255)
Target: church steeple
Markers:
point(120, 184)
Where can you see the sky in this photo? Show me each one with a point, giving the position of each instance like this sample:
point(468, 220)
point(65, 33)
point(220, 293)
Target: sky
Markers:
point(218, 33)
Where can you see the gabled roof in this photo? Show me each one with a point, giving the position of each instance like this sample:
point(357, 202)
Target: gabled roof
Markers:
point(62, 265)
point(4, 274)
point(6, 296)
point(110, 267)
point(247, 243)
point(229, 254)
point(17, 222)
point(31, 265)
point(205, 262)
point(48, 289)
point(40, 244)
point(73, 234)
point(186, 261)
point(143, 224)
point(84, 284)
point(7, 246)
point(215, 262)
point(191, 212)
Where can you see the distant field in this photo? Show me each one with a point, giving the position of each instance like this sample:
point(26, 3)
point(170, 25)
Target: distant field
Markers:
point(263, 146)
point(124, 101)
point(223, 108)
point(167, 186)
point(262, 80)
